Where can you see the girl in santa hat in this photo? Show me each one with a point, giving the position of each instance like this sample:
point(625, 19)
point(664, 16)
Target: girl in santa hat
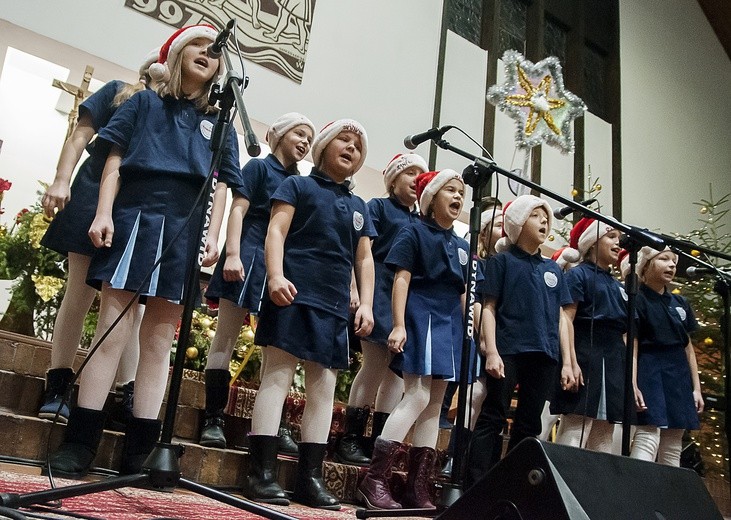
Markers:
point(522, 335)
point(667, 389)
point(599, 317)
point(374, 380)
point(430, 262)
point(319, 232)
point(238, 281)
point(72, 210)
point(159, 159)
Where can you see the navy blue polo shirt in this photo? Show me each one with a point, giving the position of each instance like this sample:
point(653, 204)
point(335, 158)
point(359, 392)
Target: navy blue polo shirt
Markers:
point(664, 320)
point(260, 178)
point(323, 237)
point(169, 136)
point(389, 216)
point(530, 291)
point(596, 292)
point(98, 106)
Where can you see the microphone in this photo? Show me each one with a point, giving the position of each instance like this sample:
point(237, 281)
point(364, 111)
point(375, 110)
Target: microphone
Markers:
point(215, 49)
point(562, 213)
point(412, 141)
point(693, 272)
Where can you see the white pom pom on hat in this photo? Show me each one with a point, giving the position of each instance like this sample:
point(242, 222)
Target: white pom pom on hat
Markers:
point(284, 124)
point(169, 51)
point(151, 58)
point(401, 162)
point(331, 130)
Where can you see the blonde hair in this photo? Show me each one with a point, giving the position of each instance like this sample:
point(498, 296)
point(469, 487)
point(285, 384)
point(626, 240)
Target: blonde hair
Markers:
point(126, 92)
point(173, 87)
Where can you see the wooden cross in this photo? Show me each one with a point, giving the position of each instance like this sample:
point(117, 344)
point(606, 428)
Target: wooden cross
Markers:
point(79, 94)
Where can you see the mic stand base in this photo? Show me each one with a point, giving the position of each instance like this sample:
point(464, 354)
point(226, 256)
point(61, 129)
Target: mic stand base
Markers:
point(451, 492)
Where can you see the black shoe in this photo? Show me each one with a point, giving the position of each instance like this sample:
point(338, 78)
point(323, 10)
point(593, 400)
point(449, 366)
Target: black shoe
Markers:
point(80, 442)
point(286, 444)
point(58, 381)
point(212, 435)
point(351, 447)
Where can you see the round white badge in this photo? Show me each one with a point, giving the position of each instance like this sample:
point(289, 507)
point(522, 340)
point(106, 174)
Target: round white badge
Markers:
point(550, 279)
point(463, 257)
point(623, 293)
point(206, 129)
point(681, 312)
point(358, 220)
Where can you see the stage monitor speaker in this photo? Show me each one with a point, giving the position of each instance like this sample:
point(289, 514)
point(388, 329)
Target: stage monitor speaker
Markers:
point(546, 481)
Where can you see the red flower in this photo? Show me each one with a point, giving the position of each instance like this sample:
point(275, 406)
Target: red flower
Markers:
point(5, 185)
point(20, 215)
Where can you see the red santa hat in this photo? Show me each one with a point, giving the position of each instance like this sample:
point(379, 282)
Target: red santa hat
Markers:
point(160, 71)
point(585, 233)
point(515, 214)
point(284, 124)
point(331, 130)
point(429, 183)
point(623, 263)
point(399, 163)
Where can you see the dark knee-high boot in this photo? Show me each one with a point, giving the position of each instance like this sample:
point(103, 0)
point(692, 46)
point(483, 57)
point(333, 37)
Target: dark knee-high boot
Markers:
point(379, 420)
point(212, 434)
point(446, 470)
point(350, 448)
point(374, 490)
point(58, 381)
point(81, 439)
point(418, 480)
point(309, 487)
point(261, 482)
point(140, 437)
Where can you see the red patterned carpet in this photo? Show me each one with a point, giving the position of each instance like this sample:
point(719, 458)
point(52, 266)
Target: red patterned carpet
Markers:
point(139, 504)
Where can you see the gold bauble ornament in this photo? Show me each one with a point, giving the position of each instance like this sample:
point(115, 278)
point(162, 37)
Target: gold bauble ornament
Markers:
point(703, 210)
point(708, 342)
point(240, 352)
point(191, 353)
point(211, 333)
point(695, 252)
point(247, 335)
point(676, 290)
point(206, 322)
point(574, 192)
point(551, 238)
point(597, 188)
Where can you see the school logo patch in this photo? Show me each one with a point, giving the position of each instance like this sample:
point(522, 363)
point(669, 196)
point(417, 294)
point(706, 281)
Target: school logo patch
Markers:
point(623, 293)
point(206, 129)
point(681, 312)
point(550, 279)
point(358, 220)
point(462, 255)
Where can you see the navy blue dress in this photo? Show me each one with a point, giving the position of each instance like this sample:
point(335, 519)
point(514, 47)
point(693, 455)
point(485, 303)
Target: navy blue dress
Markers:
point(389, 216)
point(166, 158)
point(596, 294)
point(437, 260)
point(260, 179)
point(663, 373)
point(68, 231)
point(319, 252)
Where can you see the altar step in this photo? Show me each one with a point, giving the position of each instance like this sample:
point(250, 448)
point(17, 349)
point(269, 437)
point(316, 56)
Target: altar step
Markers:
point(23, 363)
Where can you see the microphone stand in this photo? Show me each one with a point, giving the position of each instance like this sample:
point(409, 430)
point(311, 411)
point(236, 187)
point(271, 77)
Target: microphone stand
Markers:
point(161, 470)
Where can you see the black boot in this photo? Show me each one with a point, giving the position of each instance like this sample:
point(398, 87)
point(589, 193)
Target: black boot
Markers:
point(446, 471)
point(58, 381)
point(261, 482)
point(212, 434)
point(140, 438)
point(309, 487)
point(80, 441)
point(379, 420)
point(287, 445)
point(350, 448)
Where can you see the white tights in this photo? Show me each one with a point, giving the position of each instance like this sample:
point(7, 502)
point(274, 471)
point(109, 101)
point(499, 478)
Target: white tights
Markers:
point(69, 323)
point(376, 380)
point(598, 435)
point(651, 443)
point(230, 320)
point(157, 330)
point(278, 369)
point(420, 407)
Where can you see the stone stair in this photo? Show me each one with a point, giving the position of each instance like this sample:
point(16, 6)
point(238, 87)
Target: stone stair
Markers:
point(23, 363)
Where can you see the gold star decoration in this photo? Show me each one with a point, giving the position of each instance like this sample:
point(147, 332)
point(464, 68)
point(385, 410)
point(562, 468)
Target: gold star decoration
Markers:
point(534, 96)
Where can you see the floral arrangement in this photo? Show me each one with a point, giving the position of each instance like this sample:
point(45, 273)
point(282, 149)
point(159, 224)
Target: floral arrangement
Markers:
point(37, 272)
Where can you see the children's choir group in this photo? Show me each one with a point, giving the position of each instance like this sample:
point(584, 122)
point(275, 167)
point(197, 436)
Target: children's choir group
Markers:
point(320, 267)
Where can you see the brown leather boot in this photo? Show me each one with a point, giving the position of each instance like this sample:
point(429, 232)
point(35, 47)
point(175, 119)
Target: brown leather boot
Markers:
point(418, 480)
point(374, 490)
